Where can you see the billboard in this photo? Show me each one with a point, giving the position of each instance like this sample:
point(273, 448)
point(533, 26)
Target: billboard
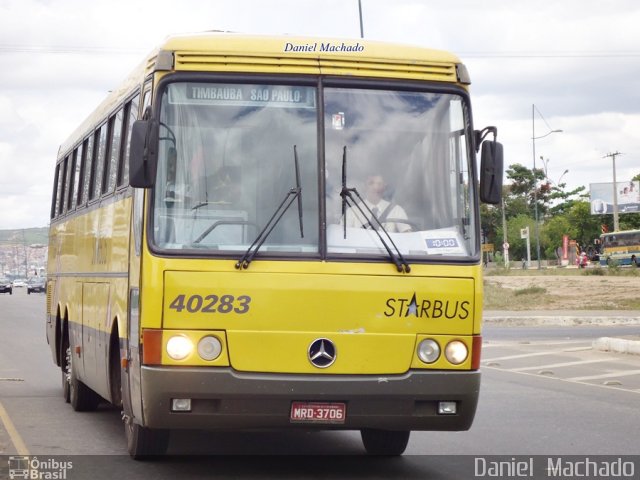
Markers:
point(601, 197)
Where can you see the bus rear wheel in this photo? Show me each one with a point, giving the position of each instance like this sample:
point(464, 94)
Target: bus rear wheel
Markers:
point(81, 397)
point(65, 368)
point(143, 442)
point(385, 442)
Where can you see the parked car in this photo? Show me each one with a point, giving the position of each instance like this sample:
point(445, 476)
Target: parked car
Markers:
point(19, 282)
point(36, 285)
point(6, 286)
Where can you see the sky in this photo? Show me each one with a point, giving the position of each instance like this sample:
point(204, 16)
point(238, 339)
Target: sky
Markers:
point(570, 65)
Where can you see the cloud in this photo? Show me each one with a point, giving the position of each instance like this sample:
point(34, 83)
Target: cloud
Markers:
point(576, 60)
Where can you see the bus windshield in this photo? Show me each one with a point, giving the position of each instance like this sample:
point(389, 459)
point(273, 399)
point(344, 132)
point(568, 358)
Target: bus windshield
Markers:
point(226, 162)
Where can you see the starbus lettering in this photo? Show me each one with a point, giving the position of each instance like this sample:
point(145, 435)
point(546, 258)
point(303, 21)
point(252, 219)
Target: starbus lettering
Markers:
point(426, 308)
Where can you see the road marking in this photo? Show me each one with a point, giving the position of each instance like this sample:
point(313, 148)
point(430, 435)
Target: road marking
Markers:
point(620, 373)
point(15, 437)
point(558, 365)
point(557, 379)
point(524, 355)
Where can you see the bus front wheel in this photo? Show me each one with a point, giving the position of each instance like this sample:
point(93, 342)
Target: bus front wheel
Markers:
point(385, 442)
point(143, 442)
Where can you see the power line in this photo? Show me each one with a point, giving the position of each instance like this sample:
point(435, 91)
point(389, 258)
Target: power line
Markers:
point(526, 54)
point(62, 49)
point(107, 50)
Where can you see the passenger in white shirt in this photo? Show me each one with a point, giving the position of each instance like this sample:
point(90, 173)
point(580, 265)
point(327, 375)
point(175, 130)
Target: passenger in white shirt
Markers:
point(387, 213)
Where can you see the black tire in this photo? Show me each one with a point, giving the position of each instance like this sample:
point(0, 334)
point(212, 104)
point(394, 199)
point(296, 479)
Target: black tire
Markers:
point(65, 367)
point(143, 442)
point(385, 442)
point(81, 397)
point(115, 372)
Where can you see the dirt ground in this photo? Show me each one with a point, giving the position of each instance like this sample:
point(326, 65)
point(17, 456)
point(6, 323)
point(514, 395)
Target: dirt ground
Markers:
point(549, 292)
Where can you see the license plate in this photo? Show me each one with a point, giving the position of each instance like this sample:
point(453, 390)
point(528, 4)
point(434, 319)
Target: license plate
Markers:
point(318, 412)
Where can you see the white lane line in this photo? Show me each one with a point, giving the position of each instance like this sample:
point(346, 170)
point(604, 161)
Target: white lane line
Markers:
point(558, 365)
point(523, 355)
point(619, 373)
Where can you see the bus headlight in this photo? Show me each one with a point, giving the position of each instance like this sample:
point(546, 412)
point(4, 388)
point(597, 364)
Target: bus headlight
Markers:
point(428, 350)
point(179, 347)
point(456, 352)
point(209, 348)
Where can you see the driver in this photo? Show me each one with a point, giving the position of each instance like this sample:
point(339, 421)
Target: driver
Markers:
point(390, 215)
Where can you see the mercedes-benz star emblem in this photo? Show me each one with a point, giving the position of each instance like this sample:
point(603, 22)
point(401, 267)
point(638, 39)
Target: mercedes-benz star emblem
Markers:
point(322, 353)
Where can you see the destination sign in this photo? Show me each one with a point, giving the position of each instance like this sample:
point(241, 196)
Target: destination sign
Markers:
point(282, 96)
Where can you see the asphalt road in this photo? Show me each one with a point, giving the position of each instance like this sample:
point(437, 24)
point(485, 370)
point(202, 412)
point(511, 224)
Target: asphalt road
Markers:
point(545, 391)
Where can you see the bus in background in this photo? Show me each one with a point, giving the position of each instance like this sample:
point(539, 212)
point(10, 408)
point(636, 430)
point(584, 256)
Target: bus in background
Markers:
point(274, 232)
point(620, 248)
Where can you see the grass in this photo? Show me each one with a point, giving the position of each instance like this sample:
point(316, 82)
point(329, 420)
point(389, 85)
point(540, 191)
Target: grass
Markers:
point(568, 272)
point(534, 297)
point(498, 298)
point(529, 291)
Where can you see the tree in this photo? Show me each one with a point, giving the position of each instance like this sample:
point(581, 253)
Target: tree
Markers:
point(586, 227)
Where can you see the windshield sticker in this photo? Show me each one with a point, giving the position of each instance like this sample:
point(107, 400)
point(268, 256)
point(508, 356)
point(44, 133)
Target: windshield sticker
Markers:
point(443, 242)
point(337, 121)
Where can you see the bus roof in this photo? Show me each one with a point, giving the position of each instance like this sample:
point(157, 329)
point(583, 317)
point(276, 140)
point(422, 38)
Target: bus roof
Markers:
point(243, 53)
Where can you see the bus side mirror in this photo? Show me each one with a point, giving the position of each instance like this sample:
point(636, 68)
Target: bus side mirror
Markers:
point(491, 166)
point(143, 157)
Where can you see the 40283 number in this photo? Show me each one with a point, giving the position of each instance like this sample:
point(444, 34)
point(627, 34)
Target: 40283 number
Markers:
point(211, 304)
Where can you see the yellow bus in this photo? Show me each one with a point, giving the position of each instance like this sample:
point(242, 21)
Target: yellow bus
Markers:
point(274, 232)
point(620, 248)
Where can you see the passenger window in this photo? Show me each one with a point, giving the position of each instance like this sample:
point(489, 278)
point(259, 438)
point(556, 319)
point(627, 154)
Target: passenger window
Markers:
point(55, 199)
point(63, 185)
point(88, 167)
point(79, 173)
point(130, 116)
point(100, 143)
point(111, 163)
point(71, 203)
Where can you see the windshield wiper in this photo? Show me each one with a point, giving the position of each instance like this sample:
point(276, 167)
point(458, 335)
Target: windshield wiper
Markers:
point(291, 195)
point(358, 203)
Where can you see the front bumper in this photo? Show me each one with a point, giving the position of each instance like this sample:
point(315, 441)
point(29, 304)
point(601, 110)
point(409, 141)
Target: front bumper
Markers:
point(223, 398)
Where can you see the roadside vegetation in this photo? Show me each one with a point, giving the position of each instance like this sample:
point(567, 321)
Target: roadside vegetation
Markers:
point(561, 211)
point(593, 288)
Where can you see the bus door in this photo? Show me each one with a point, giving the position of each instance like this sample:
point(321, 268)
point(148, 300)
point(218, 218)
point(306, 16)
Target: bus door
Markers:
point(95, 309)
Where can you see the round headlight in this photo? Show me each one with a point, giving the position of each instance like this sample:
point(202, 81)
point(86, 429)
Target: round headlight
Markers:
point(209, 348)
point(179, 347)
point(428, 350)
point(456, 352)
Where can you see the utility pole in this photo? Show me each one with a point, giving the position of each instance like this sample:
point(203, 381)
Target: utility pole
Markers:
point(360, 15)
point(616, 225)
point(505, 242)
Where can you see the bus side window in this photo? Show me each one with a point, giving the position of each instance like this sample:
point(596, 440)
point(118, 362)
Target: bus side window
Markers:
point(71, 203)
point(55, 198)
point(130, 116)
point(63, 185)
point(99, 140)
point(87, 163)
point(113, 153)
point(78, 174)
